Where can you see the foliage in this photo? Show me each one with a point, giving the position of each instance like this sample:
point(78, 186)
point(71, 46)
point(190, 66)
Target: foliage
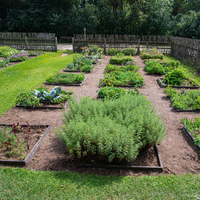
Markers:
point(193, 127)
point(9, 141)
point(151, 54)
point(64, 78)
point(7, 51)
point(86, 68)
point(115, 92)
point(34, 53)
point(160, 67)
point(21, 56)
point(113, 51)
point(186, 100)
point(175, 77)
point(109, 130)
point(119, 78)
point(110, 68)
point(126, 51)
point(4, 63)
point(42, 95)
point(121, 60)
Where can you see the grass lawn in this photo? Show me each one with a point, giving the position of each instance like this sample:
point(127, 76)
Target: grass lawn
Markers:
point(17, 183)
point(28, 75)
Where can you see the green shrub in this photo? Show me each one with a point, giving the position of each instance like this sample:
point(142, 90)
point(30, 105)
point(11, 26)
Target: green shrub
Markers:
point(129, 51)
point(115, 92)
point(113, 130)
point(121, 60)
point(86, 68)
point(4, 63)
point(110, 68)
point(151, 54)
point(186, 100)
point(65, 78)
point(193, 127)
point(175, 77)
point(113, 51)
point(154, 67)
point(7, 51)
point(118, 78)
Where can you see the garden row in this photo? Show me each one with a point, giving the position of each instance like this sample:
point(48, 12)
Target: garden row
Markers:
point(97, 131)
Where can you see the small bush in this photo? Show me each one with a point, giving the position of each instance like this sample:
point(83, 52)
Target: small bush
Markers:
point(66, 78)
point(113, 51)
point(7, 51)
point(21, 56)
point(110, 68)
point(121, 60)
point(151, 54)
point(129, 51)
point(110, 131)
point(4, 63)
point(115, 93)
point(154, 67)
point(86, 68)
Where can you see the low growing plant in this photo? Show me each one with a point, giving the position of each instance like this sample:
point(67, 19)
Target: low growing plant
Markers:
point(119, 60)
point(186, 100)
point(193, 127)
point(115, 92)
point(151, 54)
point(64, 78)
point(111, 130)
point(21, 56)
point(113, 51)
point(4, 63)
point(111, 67)
point(7, 51)
point(42, 95)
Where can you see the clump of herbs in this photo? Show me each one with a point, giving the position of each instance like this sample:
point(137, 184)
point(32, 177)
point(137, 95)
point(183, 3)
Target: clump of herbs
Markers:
point(115, 92)
point(120, 59)
point(110, 130)
point(65, 78)
point(126, 51)
point(186, 100)
point(193, 127)
point(4, 63)
point(125, 68)
point(151, 54)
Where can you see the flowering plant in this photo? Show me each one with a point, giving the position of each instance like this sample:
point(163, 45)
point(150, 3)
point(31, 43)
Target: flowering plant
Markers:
point(18, 57)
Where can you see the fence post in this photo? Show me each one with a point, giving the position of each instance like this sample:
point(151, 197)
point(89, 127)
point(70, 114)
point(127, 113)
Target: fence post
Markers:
point(177, 50)
point(73, 44)
point(56, 43)
point(197, 55)
point(26, 43)
point(138, 49)
point(105, 46)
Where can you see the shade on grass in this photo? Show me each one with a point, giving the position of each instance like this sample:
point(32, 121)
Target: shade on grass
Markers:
point(28, 75)
point(17, 183)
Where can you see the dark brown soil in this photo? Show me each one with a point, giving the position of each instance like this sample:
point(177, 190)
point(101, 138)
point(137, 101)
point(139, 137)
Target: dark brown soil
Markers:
point(30, 139)
point(178, 154)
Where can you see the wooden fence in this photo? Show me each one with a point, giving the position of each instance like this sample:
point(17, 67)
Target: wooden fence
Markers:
point(29, 41)
point(162, 43)
point(186, 49)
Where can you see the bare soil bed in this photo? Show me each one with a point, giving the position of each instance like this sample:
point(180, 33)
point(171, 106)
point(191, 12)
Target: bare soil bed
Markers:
point(178, 154)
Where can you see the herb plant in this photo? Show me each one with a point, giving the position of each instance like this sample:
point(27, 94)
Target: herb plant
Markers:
point(64, 78)
point(186, 100)
point(193, 127)
point(4, 63)
point(115, 92)
point(126, 51)
point(110, 68)
point(21, 56)
point(42, 96)
point(151, 54)
point(119, 60)
point(7, 51)
point(111, 130)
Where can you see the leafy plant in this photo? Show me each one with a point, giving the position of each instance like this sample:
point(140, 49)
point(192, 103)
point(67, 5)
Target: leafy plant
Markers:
point(34, 53)
point(153, 67)
point(86, 68)
point(185, 100)
point(151, 54)
point(7, 51)
point(4, 63)
point(175, 77)
point(193, 127)
point(118, 78)
point(21, 56)
point(43, 96)
point(119, 60)
point(110, 130)
point(113, 51)
point(129, 51)
point(66, 78)
point(115, 92)
point(111, 67)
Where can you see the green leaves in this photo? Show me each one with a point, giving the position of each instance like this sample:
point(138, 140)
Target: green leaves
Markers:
point(110, 130)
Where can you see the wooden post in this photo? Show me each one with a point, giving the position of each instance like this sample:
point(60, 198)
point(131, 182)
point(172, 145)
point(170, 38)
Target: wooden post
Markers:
point(56, 43)
point(84, 33)
point(73, 45)
point(26, 43)
point(138, 49)
point(105, 46)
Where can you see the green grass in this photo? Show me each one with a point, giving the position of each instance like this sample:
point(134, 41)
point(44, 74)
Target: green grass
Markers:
point(17, 183)
point(190, 71)
point(28, 75)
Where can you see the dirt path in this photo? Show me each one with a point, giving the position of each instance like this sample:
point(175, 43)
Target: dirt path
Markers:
point(177, 152)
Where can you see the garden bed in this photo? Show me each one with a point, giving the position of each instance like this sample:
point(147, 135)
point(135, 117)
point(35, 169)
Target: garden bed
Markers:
point(32, 141)
point(191, 137)
point(192, 86)
point(147, 160)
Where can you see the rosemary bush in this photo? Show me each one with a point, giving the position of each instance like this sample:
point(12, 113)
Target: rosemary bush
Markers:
point(113, 130)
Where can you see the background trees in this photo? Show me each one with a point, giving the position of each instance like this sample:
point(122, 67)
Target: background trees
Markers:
point(65, 17)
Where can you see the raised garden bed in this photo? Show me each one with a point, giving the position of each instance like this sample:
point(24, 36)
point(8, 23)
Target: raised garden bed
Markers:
point(134, 164)
point(191, 85)
point(191, 137)
point(32, 139)
point(66, 79)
